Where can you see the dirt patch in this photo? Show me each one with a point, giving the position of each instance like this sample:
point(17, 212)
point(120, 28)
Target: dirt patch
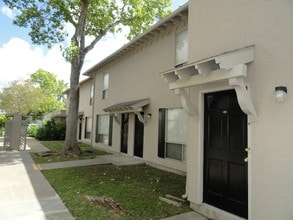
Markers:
point(46, 154)
point(106, 202)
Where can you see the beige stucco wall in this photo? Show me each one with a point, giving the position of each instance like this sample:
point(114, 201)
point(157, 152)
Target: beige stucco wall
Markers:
point(137, 77)
point(220, 26)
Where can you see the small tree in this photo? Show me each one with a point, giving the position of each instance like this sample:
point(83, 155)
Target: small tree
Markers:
point(22, 97)
point(52, 89)
point(94, 18)
point(41, 94)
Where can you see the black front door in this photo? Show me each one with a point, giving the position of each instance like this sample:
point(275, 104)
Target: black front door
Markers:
point(138, 137)
point(225, 140)
point(80, 127)
point(124, 132)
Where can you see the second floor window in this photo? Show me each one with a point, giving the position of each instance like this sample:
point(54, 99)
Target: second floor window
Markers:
point(91, 94)
point(181, 42)
point(105, 86)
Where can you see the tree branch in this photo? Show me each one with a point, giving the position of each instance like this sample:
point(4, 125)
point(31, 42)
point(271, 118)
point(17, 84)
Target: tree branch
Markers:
point(68, 16)
point(102, 33)
point(79, 35)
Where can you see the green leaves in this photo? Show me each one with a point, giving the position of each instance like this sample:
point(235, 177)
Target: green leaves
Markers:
point(71, 52)
point(46, 18)
point(52, 89)
point(22, 97)
point(41, 94)
point(2, 120)
point(140, 15)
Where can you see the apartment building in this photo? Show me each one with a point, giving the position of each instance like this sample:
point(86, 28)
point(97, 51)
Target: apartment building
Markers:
point(205, 92)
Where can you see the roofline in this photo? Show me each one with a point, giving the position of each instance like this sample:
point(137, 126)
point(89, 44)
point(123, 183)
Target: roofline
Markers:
point(169, 17)
point(80, 83)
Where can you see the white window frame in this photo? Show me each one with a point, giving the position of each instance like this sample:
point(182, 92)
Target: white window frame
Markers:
point(181, 48)
point(91, 94)
point(104, 131)
point(105, 92)
point(172, 125)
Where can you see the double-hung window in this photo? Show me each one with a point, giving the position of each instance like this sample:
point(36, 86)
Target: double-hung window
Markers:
point(172, 134)
point(181, 41)
point(105, 86)
point(91, 94)
point(88, 127)
point(104, 129)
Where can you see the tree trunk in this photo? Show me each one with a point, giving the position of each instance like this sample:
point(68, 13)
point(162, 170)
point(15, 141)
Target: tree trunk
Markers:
point(71, 144)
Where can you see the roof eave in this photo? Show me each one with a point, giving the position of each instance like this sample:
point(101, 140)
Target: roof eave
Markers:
point(177, 12)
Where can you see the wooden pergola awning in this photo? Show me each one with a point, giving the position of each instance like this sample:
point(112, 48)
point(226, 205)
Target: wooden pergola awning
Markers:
point(125, 107)
point(230, 67)
point(128, 107)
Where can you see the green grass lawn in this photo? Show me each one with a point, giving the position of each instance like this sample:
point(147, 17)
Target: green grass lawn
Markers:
point(55, 153)
point(136, 188)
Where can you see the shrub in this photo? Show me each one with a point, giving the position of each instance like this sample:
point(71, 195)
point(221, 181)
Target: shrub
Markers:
point(2, 120)
point(32, 130)
point(1, 131)
point(51, 131)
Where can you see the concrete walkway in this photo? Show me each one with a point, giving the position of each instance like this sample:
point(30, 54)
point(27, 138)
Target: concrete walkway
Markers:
point(187, 216)
point(116, 159)
point(25, 193)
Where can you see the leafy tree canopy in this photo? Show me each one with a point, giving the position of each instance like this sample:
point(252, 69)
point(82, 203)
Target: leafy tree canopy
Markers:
point(22, 97)
point(47, 18)
point(51, 86)
point(41, 94)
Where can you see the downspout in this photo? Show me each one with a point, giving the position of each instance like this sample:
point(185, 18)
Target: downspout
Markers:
point(93, 108)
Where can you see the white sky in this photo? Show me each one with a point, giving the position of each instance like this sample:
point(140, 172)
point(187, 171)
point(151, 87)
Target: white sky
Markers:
point(19, 58)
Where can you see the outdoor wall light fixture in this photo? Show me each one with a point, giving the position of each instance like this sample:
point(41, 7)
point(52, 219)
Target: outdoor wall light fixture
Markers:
point(281, 93)
point(148, 116)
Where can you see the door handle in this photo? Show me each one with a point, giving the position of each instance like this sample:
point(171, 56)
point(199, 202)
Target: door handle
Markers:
point(246, 159)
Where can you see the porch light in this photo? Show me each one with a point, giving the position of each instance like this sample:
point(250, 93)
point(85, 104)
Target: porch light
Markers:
point(281, 93)
point(148, 116)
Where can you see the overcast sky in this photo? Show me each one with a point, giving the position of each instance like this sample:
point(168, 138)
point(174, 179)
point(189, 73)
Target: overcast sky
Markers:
point(19, 58)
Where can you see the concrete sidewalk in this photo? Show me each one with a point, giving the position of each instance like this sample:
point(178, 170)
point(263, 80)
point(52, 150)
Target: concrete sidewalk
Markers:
point(187, 216)
point(24, 192)
point(32, 145)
